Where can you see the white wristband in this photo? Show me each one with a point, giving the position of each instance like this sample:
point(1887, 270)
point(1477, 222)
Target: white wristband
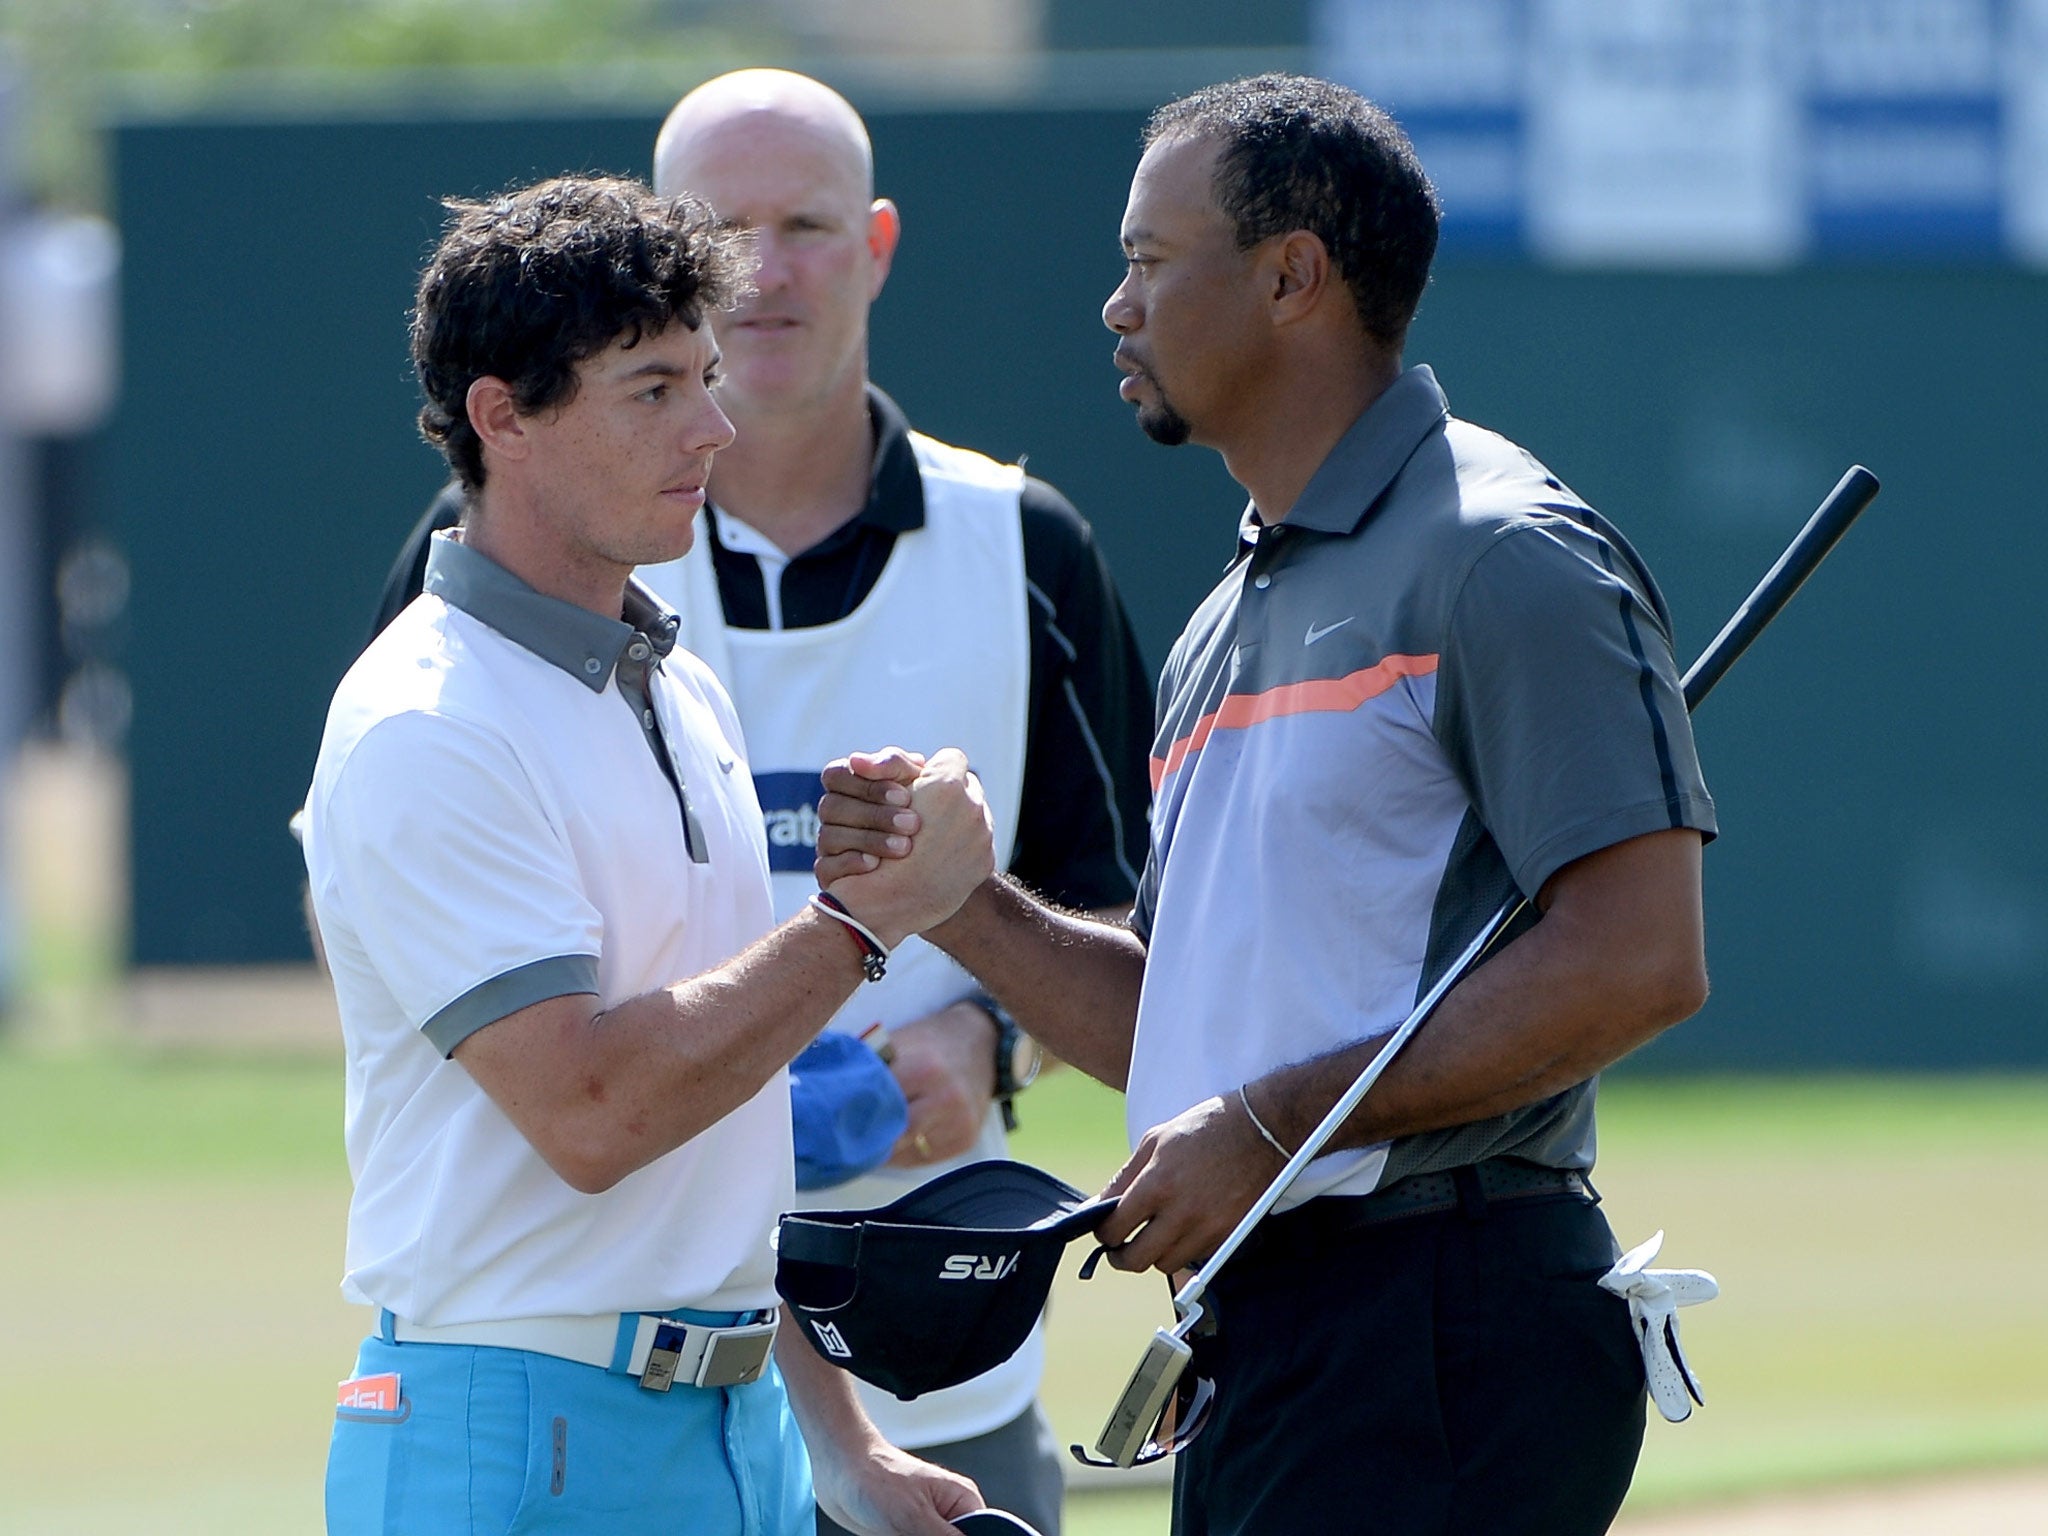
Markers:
point(874, 953)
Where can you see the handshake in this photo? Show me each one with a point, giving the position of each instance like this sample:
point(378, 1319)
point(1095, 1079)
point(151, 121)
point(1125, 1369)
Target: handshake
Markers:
point(903, 840)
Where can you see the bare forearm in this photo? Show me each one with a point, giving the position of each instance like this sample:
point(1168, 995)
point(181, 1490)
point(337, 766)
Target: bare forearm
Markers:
point(1513, 1034)
point(601, 1094)
point(695, 1051)
point(1617, 959)
point(828, 1413)
point(1070, 980)
point(864, 1483)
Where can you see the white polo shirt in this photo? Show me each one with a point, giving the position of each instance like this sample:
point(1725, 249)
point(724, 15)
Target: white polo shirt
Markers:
point(489, 826)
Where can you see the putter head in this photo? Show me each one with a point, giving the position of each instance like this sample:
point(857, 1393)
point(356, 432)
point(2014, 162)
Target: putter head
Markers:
point(1144, 1398)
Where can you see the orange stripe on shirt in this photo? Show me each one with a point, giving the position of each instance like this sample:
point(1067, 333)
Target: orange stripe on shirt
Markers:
point(1318, 696)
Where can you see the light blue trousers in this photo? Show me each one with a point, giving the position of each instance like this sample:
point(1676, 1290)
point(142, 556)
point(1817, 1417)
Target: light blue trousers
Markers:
point(489, 1442)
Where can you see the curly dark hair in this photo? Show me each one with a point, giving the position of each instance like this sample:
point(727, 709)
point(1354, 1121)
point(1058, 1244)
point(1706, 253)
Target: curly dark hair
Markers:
point(1302, 153)
point(526, 285)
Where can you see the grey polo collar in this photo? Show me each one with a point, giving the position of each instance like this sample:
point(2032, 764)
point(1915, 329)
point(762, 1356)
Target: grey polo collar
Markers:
point(583, 644)
point(1368, 456)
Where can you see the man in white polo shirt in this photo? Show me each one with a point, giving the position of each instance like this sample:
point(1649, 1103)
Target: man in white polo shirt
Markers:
point(835, 534)
point(537, 865)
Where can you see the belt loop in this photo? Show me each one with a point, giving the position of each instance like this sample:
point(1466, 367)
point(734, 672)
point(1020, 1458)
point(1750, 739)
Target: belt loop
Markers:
point(386, 1329)
point(623, 1344)
point(1471, 1197)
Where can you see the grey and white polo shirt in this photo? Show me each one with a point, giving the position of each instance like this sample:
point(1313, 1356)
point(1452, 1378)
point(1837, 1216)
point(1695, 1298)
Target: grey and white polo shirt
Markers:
point(490, 826)
point(1442, 678)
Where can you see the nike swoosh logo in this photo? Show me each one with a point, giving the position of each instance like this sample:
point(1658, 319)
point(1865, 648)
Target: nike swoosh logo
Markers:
point(1314, 633)
point(725, 764)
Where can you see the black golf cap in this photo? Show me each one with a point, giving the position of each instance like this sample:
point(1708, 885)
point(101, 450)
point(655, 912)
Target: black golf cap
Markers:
point(994, 1522)
point(933, 1289)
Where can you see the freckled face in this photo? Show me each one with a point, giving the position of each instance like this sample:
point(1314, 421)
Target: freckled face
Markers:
point(620, 468)
point(1186, 312)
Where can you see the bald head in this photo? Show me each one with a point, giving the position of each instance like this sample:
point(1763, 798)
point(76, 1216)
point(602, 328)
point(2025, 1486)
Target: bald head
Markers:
point(764, 102)
point(788, 159)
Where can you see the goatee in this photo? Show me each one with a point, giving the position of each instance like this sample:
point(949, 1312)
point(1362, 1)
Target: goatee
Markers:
point(1164, 425)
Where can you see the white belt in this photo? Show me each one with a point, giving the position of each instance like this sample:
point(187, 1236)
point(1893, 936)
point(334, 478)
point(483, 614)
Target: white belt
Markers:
point(659, 1350)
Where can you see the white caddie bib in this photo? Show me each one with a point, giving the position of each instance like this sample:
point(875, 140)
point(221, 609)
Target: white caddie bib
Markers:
point(937, 655)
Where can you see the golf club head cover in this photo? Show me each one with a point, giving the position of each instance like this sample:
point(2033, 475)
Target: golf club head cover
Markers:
point(1654, 1297)
point(939, 1286)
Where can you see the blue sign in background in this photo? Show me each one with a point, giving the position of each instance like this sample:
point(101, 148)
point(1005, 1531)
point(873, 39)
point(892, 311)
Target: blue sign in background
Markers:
point(789, 811)
point(1864, 128)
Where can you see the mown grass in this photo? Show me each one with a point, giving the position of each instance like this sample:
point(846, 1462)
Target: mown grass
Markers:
point(126, 1115)
point(170, 1235)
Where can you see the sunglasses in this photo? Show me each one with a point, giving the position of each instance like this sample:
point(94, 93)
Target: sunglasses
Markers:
point(1163, 1407)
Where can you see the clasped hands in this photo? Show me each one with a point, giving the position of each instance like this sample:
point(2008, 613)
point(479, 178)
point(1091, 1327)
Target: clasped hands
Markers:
point(904, 841)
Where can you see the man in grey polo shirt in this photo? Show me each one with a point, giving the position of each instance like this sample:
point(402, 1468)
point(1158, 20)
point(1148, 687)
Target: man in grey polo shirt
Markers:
point(1431, 676)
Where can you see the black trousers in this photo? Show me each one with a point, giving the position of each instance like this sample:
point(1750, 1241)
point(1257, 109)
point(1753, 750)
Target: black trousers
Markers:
point(1443, 1375)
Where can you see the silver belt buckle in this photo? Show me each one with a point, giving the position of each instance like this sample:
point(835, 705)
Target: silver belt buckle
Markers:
point(707, 1357)
point(733, 1357)
point(670, 1340)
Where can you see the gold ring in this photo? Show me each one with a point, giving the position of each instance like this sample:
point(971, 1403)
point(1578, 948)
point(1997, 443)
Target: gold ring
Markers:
point(923, 1145)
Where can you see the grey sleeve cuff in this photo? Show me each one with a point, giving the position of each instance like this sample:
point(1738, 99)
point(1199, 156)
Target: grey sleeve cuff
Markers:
point(1692, 811)
point(522, 987)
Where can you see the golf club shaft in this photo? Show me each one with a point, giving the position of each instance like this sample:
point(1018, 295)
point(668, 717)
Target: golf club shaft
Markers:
point(1852, 493)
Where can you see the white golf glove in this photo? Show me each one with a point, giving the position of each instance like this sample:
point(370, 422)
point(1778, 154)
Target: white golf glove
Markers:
point(1654, 1297)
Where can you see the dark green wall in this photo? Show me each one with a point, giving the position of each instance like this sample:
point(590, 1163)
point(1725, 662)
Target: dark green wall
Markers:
point(1141, 24)
point(1878, 895)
